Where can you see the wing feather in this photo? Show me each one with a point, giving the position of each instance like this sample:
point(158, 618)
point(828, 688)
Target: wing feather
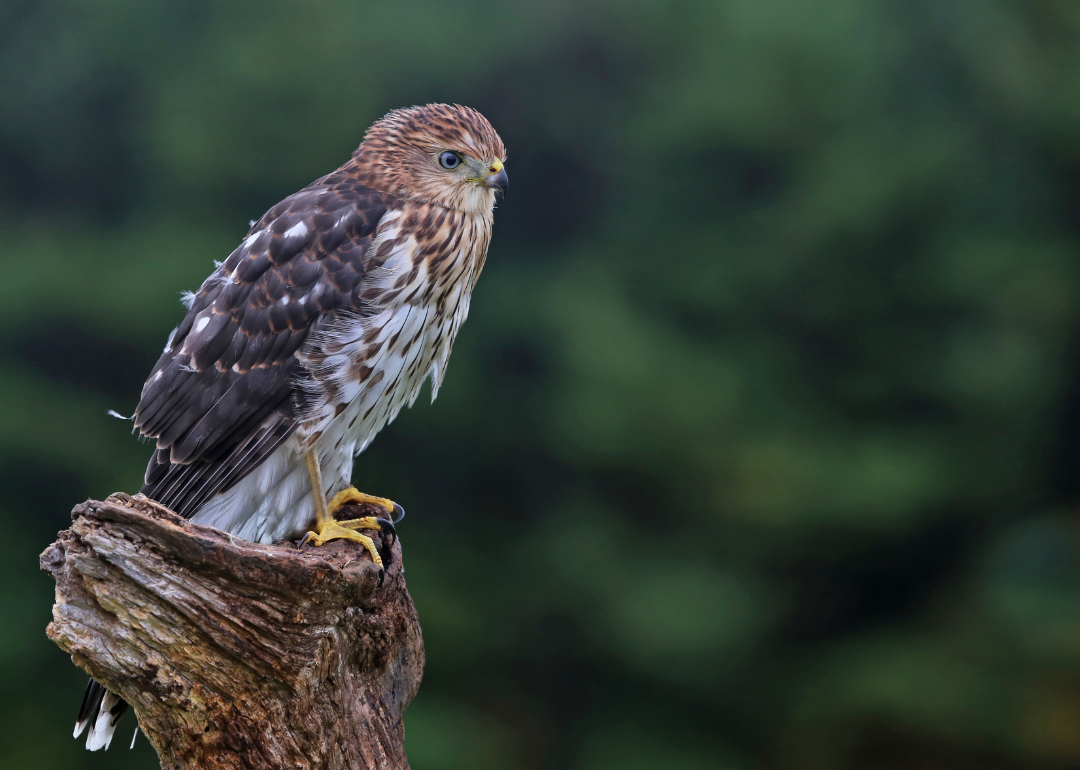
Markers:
point(227, 391)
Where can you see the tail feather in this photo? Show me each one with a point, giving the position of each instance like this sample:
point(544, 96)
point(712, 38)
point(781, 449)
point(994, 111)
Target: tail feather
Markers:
point(90, 703)
point(101, 710)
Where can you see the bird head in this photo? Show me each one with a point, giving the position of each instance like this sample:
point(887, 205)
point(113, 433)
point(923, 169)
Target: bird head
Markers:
point(439, 153)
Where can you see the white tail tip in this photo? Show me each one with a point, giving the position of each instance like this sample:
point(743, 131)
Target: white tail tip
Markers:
point(101, 734)
point(79, 727)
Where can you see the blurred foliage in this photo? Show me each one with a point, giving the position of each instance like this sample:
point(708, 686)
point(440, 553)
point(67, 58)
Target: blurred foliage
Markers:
point(760, 447)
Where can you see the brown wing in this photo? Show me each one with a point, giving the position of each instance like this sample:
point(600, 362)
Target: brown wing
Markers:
point(227, 390)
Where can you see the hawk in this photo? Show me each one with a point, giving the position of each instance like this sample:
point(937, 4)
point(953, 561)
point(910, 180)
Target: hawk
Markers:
point(313, 334)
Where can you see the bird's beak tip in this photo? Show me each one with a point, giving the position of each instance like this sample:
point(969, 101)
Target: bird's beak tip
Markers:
point(498, 180)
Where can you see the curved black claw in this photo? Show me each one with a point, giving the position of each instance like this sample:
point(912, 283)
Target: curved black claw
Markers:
point(387, 526)
point(382, 576)
point(399, 513)
point(387, 550)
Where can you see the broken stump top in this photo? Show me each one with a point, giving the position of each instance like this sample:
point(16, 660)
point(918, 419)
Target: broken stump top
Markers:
point(234, 654)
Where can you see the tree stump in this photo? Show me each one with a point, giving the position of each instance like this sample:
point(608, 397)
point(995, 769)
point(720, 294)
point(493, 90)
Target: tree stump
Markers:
point(237, 655)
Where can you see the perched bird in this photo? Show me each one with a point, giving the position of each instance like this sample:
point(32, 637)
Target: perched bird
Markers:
point(313, 334)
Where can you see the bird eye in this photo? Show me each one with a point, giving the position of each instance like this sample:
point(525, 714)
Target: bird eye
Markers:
point(449, 160)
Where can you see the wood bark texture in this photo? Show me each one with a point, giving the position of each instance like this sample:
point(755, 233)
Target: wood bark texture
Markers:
point(236, 655)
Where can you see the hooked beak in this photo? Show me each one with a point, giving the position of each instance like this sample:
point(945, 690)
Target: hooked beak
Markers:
point(497, 180)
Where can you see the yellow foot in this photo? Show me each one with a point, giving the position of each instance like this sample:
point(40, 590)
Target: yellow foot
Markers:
point(335, 530)
point(353, 495)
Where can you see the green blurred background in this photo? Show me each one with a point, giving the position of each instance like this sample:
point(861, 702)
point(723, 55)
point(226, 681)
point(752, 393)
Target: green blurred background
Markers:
point(760, 448)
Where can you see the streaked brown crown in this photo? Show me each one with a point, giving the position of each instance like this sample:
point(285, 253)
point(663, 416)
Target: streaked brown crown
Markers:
point(399, 151)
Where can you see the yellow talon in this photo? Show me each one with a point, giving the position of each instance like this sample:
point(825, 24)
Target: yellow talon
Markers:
point(332, 530)
point(368, 522)
point(353, 495)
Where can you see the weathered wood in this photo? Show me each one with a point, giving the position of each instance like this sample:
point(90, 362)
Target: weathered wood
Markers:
point(236, 655)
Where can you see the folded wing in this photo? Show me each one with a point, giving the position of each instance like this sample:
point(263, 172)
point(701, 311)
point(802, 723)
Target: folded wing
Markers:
point(227, 391)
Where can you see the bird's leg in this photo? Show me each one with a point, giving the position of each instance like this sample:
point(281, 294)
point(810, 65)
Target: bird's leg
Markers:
point(326, 528)
point(314, 470)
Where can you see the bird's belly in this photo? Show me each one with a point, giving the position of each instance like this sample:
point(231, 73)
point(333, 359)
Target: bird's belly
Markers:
point(379, 366)
point(388, 380)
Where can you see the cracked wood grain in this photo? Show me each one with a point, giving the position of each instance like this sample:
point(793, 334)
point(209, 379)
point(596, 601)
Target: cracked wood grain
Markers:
point(233, 654)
